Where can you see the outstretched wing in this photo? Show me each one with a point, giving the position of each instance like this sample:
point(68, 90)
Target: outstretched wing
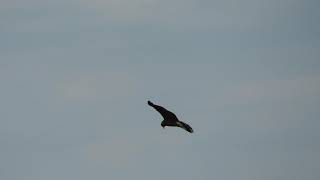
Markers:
point(185, 126)
point(167, 115)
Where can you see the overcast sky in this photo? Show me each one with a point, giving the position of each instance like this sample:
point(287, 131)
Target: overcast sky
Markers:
point(75, 77)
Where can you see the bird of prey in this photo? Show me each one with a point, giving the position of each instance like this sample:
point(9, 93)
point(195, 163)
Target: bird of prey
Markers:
point(169, 118)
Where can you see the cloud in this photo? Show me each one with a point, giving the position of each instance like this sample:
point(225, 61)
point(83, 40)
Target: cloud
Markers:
point(118, 152)
point(275, 90)
point(125, 149)
point(96, 86)
point(227, 15)
point(260, 107)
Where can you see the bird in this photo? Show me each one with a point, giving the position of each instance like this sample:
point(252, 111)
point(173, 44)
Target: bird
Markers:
point(169, 118)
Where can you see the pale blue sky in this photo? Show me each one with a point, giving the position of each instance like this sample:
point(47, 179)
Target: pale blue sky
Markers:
point(75, 76)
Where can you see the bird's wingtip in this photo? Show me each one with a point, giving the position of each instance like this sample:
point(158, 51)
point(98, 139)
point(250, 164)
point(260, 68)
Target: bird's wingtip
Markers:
point(150, 103)
point(189, 129)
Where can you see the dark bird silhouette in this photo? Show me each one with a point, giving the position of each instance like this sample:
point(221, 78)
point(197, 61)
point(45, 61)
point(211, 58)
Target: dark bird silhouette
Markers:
point(169, 118)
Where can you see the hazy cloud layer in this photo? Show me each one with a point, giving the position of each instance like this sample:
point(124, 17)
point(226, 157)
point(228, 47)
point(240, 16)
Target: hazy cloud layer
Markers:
point(75, 77)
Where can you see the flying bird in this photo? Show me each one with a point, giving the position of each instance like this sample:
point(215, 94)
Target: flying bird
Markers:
point(169, 118)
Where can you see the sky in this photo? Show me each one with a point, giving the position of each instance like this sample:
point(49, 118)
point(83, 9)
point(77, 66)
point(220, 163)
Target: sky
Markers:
point(76, 75)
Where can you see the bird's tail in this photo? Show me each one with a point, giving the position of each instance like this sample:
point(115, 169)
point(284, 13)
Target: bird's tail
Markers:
point(185, 126)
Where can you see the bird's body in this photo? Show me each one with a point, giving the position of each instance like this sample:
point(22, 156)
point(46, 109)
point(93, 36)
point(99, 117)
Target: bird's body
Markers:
point(169, 118)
